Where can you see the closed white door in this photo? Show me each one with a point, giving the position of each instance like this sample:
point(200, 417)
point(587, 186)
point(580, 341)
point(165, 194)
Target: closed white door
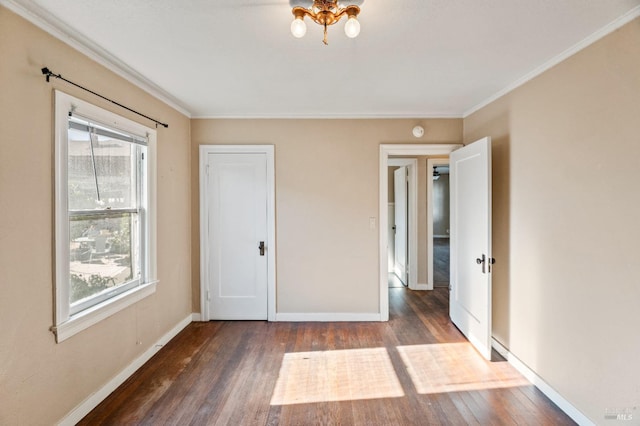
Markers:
point(470, 297)
point(400, 217)
point(238, 249)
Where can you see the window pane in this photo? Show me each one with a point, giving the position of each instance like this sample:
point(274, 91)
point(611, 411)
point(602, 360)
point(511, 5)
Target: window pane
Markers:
point(102, 172)
point(103, 254)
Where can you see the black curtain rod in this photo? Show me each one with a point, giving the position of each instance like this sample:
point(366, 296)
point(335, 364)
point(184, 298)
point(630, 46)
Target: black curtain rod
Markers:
point(48, 74)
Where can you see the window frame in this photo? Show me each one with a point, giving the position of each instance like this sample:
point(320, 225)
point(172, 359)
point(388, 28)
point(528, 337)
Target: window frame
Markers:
point(66, 322)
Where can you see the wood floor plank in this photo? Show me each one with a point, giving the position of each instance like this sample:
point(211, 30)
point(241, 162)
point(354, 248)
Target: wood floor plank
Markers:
point(465, 412)
point(259, 373)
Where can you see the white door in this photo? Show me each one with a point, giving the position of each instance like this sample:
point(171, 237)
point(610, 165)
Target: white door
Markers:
point(400, 217)
point(391, 215)
point(237, 242)
point(470, 297)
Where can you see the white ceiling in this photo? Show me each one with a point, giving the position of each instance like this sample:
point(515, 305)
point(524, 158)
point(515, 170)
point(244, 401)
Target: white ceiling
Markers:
point(413, 58)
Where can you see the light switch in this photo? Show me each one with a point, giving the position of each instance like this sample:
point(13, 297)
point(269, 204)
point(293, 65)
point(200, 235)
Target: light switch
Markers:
point(372, 223)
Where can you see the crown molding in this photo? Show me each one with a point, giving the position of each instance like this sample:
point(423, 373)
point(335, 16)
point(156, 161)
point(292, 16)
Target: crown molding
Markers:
point(55, 27)
point(362, 116)
point(37, 16)
point(589, 40)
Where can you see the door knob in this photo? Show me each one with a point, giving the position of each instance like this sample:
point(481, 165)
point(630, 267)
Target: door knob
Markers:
point(261, 248)
point(483, 261)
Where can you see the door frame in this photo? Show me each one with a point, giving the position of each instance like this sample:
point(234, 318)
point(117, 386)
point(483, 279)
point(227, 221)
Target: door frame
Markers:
point(268, 150)
point(430, 163)
point(412, 208)
point(402, 150)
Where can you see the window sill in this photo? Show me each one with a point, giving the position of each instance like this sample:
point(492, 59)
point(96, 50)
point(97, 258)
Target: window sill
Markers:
point(85, 319)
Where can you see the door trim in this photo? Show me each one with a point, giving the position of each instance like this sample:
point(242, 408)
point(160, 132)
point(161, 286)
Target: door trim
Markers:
point(268, 150)
point(385, 151)
point(412, 207)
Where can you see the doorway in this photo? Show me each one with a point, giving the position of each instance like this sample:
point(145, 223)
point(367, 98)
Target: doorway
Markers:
point(470, 298)
point(402, 247)
point(438, 247)
point(387, 151)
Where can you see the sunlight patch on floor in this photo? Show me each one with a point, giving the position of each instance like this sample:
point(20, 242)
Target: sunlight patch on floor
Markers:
point(340, 375)
point(454, 367)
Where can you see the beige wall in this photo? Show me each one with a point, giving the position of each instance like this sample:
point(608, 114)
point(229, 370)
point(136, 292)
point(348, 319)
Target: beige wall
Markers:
point(326, 191)
point(391, 194)
point(441, 205)
point(423, 207)
point(422, 220)
point(41, 381)
point(566, 159)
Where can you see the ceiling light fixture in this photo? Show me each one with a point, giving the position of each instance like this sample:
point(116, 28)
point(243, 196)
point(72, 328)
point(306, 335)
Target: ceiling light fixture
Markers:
point(325, 13)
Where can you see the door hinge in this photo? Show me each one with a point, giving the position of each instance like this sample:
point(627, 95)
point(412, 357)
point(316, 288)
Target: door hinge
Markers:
point(208, 296)
point(206, 170)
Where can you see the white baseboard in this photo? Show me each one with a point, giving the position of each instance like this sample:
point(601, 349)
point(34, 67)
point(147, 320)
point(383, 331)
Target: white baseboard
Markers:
point(500, 349)
point(75, 415)
point(397, 272)
point(421, 287)
point(196, 317)
point(543, 386)
point(327, 317)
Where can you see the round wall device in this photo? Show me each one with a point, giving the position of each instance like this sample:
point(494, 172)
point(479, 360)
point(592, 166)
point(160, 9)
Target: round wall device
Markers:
point(418, 131)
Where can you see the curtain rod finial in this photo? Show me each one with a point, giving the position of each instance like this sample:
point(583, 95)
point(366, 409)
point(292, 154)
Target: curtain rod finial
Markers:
point(47, 72)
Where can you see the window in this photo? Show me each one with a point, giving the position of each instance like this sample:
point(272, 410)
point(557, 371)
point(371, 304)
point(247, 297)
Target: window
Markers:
point(105, 233)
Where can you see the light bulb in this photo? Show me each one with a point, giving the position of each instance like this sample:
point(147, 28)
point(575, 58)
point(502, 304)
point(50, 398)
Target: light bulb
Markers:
point(352, 27)
point(298, 27)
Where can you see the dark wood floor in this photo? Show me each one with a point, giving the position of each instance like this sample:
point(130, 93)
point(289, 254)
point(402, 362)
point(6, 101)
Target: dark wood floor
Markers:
point(441, 262)
point(416, 369)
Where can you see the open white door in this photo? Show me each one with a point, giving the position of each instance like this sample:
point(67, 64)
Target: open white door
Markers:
point(471, 258)
point(400, 217)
